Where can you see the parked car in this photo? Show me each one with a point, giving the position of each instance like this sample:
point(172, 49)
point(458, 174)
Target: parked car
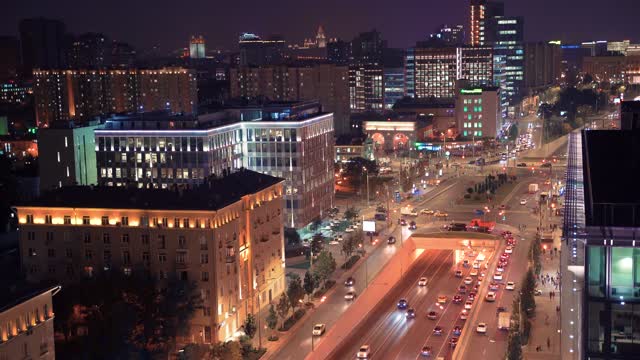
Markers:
point(319, 329)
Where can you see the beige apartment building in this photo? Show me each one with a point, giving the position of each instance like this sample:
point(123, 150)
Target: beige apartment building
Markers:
point(26, 325)
point(226, 235)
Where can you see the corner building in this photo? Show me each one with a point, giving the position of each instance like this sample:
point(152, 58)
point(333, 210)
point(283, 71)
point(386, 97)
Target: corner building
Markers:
point(225, 235)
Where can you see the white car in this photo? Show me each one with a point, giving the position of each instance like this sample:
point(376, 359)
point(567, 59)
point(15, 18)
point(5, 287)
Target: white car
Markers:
point(333, 242)
point(363, 352)
point(497, 276)
point(481, 328)
point(476, 264)
point(508, 250)
point(349, 229)
point(500, 269)
point(351, 295)
point(510, 285)
point(468, 305)
point(474, 272)
point(523, 202)
point(426, 211)
point(491, 296)
point(422, 281)
point(318, 329)
point(468, 280)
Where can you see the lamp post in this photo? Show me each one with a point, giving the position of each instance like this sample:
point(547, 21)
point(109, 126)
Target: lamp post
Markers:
point(367, 172)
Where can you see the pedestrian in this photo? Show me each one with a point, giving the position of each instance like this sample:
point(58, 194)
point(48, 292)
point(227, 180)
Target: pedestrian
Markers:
point(548, 343)
point(550, 294)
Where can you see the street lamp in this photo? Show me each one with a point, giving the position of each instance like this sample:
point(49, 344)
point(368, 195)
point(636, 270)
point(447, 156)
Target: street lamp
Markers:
point(367, 172)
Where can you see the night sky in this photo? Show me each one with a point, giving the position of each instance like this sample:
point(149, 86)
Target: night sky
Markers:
point(169, 23)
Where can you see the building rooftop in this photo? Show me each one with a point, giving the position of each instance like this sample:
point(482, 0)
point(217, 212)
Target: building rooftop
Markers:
point(17, 295)
point(214, 194)
point(611, 161)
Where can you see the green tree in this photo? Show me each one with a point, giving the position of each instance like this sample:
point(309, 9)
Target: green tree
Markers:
point(351, 213)
point(292, 236)
point(348, 246)
point(295, 293)
point(315, 224)
point(250, 326)
point(234, 351)
point(283, 307)
point(528, 293)
point(317, 243)
point(324, 266)
point(308, 284)
point(272, 318)
point(514, 349)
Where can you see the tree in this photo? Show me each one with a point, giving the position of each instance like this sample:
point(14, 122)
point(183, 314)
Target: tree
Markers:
point(514, 350)
point(292, 236)
point(528, 290)
point(315, 224)
point(308, 285)
point(513, 132)
point(324, 266)
point(295, 293)
point(348, 246)
point(283, 307)
point(234, 351)
point(250, 326)
point(351, 213)
point(317, 243)
point(272, 318)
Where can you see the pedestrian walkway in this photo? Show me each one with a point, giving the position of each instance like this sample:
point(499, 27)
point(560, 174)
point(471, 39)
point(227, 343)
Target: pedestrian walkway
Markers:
point(544, 339)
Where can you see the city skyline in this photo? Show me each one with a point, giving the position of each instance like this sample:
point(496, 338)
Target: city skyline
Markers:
point(143, 26)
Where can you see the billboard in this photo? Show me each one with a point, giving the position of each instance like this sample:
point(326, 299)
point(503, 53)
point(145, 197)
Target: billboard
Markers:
point(369, 226)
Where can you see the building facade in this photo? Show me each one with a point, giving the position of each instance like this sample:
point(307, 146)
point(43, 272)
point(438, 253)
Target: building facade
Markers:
point(62, 95)
point(68, 155)
point(197, 47)
point(394, 80)
point(255, 51)
point(226, 236)
point(478, 112)
point(366, 88)
point(293, 141)
point(26, 325)
point(542, 64)
point(42, 44)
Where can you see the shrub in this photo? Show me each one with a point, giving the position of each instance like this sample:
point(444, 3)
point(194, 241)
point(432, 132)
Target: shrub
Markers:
point(324, 289)
point(297, 315)
point(349, 263)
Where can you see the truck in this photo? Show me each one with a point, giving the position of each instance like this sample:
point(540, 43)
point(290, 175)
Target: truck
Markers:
point(504, 320)
point(480, 225)
point(408, 211)
point(533, 188)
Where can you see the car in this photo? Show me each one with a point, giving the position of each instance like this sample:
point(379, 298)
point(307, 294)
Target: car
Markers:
point(522, 165)
point(475, 288)
point(462, 289)
point(471, 296)
point(334, 242)
point(468, 304)
point(438, 330)
point(502, 264)
point(411, 313)
point(457, 330)
point(363, 352)
point(453, 342)
point(442, 299)
point(545, 165)
point(490, 297)
point(464, 314)
point(340, 237)
point(506, 233)
point(508, 249)
point(523, 201)
point(493, 286)
point(423, 281)
point(426, 211)
point(426, 351)
point(412, 225)
point(403, 222)
point(391, 240)
point(481, 328)
point(465, 263)
point(457, 299)
point(468, 280)
point(510, 285)
point(500, 269)
point(351, 295)
point(474, 272)
point(403, 304)
point(481, 276)
point(476, 264)
point(497, 276)
point(432, 315)
point(441, 214)
point(458, 273)
point(504, 256)
point(318, 329)
point(349, 230)
point(350, 281)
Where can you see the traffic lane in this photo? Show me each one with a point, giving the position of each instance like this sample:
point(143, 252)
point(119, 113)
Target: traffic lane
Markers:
point(416, 328)
point(334, 305)
point(396, 323)
point(379, 317)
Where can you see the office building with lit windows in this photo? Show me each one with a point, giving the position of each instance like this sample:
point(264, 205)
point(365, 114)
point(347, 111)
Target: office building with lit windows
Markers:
point(225, 235)
point(291, 140)
point(197, 47)
point(478, 112)
point(507, 40)
point(366, 88)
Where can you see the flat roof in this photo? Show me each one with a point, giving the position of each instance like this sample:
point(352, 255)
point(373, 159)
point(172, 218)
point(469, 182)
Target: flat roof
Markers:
point(214, 194)
point(16, 296)
point(611, 161)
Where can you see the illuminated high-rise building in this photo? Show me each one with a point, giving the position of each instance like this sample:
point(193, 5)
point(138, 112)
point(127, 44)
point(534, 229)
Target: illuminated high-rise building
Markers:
point(196, 47)
point(478, 9)
point(321, 39)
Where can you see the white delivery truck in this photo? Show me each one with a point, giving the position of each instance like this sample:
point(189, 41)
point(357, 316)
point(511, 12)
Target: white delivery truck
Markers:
point(533, 188)
point(504, 320)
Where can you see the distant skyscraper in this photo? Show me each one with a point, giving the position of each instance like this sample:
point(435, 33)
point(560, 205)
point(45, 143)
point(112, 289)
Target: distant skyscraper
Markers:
point(478, 9)
point(9, 58)
point(321, 39)
point(90, 51)
point(367, 48)
point(196, 47)
point(449, 35)
point(338, 52)
point(366, 87)
point(123, 55)
point(508, 46)
point(43, 44)
point(254, 51)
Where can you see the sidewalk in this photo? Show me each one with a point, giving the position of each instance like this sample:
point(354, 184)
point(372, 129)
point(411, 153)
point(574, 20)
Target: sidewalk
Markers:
point(545, 326)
